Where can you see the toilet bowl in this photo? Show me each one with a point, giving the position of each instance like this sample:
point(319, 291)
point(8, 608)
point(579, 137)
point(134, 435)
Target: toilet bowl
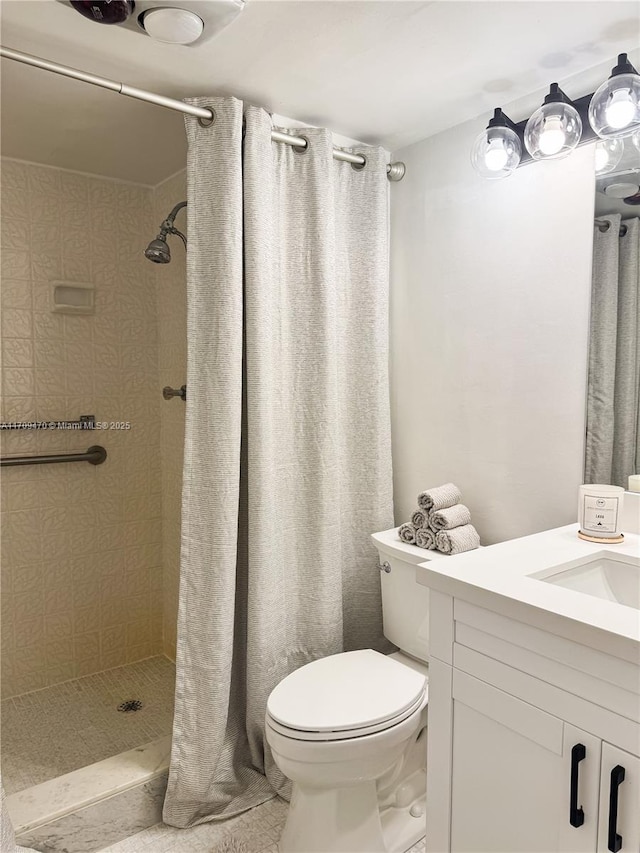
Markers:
point(336, 727)
point(349, 730)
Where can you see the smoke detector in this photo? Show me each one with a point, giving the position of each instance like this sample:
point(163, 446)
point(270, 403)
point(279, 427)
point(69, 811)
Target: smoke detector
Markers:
point(170, 22)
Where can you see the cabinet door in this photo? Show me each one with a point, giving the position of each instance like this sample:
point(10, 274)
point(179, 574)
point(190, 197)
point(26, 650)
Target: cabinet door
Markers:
point(619, 825)
point(511, 776)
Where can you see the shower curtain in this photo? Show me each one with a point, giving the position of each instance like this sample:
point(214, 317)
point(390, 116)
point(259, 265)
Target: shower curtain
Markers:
point(287, 453)
point(613, 398)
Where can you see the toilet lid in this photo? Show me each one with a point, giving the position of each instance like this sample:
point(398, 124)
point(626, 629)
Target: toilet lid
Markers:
point(348, 691)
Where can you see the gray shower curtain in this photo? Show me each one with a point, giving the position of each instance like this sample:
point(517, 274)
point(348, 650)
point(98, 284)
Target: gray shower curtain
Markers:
point(287, 452)
point(613, 398)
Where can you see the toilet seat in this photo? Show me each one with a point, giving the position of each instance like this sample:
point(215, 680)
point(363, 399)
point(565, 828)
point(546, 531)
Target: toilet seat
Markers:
point(343, 696)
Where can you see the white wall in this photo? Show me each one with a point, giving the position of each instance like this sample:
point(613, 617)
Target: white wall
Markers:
point(489, 324)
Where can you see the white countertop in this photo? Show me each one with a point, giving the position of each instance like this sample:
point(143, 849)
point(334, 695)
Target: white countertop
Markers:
point(497, 577)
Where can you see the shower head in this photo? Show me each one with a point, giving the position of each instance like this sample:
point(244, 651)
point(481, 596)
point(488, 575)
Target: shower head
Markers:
point(158, 250)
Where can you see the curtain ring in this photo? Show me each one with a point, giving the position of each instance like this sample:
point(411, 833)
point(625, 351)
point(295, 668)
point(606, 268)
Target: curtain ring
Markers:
point(207, 122)
point(298, 149)
point(358, 167)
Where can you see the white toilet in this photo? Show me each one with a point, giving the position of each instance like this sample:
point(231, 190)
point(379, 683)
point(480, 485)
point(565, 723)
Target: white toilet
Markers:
point(349, 730)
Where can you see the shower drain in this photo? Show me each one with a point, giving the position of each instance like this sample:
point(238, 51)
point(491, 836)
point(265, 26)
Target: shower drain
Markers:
point(130, 705)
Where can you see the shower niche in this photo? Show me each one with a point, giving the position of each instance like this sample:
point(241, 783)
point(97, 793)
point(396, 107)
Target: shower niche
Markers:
point(72, 297)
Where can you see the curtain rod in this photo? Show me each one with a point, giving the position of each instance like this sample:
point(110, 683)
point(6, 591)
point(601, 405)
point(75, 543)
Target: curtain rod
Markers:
point(604, 225)
point(395, 171)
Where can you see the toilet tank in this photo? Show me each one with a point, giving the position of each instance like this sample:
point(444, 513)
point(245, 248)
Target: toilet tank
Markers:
point(405, 602)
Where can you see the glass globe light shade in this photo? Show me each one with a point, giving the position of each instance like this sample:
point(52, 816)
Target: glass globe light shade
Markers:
point(553, 131)
point(608, 154)
point(636, 139)
point(614, 110)
point(496, 152)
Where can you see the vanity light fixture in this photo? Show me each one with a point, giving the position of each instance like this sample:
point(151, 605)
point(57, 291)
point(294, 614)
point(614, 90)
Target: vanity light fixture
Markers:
point(614, 110)
point(562, 123)
point(497, 150)
point(608, 155)
point(555, 129)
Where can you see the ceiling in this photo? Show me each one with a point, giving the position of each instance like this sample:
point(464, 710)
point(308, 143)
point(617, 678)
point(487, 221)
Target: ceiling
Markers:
point(390, 72)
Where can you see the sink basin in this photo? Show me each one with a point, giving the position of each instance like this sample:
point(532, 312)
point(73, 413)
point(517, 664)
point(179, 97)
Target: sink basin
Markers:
point(608, 576)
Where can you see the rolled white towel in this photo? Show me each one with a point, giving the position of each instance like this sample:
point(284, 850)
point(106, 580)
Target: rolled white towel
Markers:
point(449, 517)
point(407, 533)
point(420, 518)
point(439, 497)
point(425, 538)
point(458, 540)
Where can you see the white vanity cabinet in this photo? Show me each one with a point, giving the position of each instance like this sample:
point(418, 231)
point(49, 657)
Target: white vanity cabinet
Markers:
point(619, 791)
point(534, 738)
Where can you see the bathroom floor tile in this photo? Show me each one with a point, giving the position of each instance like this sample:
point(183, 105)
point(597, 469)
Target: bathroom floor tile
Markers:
point(53, 731)
point(255, 831)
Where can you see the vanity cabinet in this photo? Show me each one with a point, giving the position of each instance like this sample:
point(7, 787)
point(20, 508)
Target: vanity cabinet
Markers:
point(511, 776)
point(533, 739)
point(619, 823)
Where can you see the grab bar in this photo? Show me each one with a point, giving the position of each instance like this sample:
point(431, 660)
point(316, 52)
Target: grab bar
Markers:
point(95, 455)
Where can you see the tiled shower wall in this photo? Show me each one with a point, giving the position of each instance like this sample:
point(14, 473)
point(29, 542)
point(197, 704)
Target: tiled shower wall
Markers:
point(81, 545)
point(172, 361)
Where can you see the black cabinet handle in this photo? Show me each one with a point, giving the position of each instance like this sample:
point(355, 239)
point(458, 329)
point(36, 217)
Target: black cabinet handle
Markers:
point(617, 778)
point(576, 813)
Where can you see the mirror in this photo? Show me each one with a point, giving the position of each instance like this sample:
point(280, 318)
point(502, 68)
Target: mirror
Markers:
point(612, 452)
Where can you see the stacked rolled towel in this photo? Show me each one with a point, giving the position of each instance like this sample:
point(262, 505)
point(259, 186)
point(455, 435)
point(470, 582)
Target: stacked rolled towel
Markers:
point(449, 517)
point(420, 518)
point(425, 538)
point(458, 539)
point(407, 533)
point(441, 522)
point(439, 498)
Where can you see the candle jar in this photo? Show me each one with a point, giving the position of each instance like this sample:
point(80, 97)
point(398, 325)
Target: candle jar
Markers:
point(600, 511)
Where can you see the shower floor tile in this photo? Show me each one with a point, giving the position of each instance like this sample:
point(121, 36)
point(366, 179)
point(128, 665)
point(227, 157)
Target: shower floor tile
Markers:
point(50, 732)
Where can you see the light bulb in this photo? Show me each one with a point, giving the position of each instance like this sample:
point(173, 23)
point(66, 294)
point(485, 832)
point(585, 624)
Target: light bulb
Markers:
point(614, 109)
point(608, 154)
point(497, 151)
point(553, 131)
point(621, 109)
point(496, 156)
point(552, 137)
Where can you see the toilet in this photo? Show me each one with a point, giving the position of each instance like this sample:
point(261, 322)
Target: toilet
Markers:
point(349, 730)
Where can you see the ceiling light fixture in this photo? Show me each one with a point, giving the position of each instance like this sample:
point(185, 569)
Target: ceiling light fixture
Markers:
point(608, 155)
point(614, 110)
point(172, 26)
point(555, 129)
point(497, 150)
